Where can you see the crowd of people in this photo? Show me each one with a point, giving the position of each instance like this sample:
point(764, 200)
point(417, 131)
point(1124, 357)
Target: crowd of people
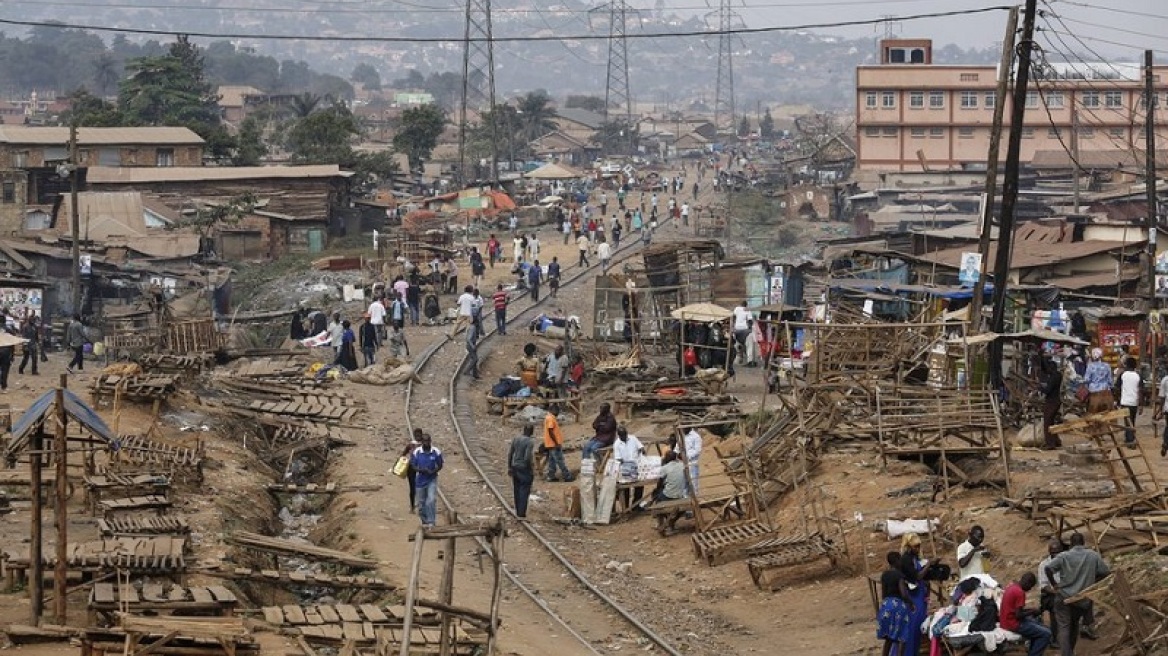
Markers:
point(987, 610)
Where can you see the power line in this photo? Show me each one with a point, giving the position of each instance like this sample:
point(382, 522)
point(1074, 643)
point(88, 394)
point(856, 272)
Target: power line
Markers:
point(414, 8)
point(1113, 29)
point(1126, 12)
point(497, 39)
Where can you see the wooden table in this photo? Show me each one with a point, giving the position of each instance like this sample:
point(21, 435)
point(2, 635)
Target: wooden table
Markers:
point(128, 485)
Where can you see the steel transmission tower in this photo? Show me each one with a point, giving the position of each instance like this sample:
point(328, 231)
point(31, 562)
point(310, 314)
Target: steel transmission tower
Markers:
point(724, 110)
point(478, 84)
point(618, 102)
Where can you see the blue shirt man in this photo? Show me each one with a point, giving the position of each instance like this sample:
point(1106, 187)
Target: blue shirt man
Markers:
point(426, 462)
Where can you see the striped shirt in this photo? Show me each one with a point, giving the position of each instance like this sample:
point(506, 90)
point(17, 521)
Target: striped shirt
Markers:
point(500, 299)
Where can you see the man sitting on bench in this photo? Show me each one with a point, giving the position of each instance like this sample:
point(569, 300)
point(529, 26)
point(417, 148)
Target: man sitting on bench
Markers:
point(671, 487)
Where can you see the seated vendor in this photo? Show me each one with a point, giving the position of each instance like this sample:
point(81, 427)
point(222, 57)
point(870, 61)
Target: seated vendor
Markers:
point(528, 367)
point(671, 485)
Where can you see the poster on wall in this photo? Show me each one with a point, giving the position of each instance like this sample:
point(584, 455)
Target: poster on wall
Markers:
point(1161, 285)
point(1161, 265)
point(18, 302)
point(970, 269)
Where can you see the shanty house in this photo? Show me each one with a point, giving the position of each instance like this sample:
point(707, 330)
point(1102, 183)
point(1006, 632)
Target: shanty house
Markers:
point(296, 207)
point(126, 225)
point(23, 147)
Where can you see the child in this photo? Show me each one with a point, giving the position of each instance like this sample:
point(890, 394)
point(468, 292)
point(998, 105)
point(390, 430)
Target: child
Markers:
point(892, 622)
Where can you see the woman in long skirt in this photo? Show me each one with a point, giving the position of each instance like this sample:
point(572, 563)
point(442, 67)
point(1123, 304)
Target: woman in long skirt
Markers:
point(913, 568)
point(893, 618)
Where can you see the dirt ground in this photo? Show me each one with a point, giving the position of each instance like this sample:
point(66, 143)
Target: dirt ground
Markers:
point(702, 610)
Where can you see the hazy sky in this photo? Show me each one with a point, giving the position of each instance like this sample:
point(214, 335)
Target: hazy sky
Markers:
point(1101, 20)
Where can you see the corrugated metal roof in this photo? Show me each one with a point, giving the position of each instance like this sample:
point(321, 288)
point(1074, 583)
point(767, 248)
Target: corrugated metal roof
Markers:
point(59, 136)
point(1031, 254)
point(141, 175)
point(118, 219)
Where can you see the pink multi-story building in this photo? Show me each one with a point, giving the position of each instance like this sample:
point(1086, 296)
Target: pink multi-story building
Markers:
point(912, 113)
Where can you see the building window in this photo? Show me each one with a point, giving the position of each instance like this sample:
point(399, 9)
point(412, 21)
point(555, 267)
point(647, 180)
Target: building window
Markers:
point(969, 77)
point(965, 133)
point(1118, 133)
point(1031, 99)
point(1027, 133)
point(20, 159)
point(8, 192)
point(916, 100)
point(1090, 98)
point(164, 157)
point(890, 133)
point(936, 133)
point(968, 100)
point(936, 99)
point(1086, 133)
point(1144, 100)
point(1113, 99)
point(870, 100)
point(888, 100)
point(872, 132)
point(1053, 133)
point(918, 133)
point(991, 99)
point(1054, 99)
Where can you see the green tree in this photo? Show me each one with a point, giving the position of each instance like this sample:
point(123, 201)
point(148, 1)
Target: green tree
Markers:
point(173, 90)
point(617, 137)
point(766, 127)
point(250, 147)
point(367, 76)
point(90, 111)
point(590, 103)
point(105, 73)
point(325, 136)
point(304, 104)
point(744, 127)
point(536, 115)
point(418, 132)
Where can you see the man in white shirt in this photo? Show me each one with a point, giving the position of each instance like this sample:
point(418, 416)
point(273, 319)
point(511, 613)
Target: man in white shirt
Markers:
point(970, 553)
point(377, 318)
point(685, 214)
point(336, 332)
point(1129, 399)
point(466, 307)
point(692, 443)
point(604, 252)
point(743, 322)
point(627, 451)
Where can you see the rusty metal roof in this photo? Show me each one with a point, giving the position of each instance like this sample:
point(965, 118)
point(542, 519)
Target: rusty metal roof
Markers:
point(59, 136)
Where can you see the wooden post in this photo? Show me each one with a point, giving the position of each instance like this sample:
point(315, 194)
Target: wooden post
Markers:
point(60, 599)
point(496, 585)
point(446, 590)
point(36, 593)
point(412, 593)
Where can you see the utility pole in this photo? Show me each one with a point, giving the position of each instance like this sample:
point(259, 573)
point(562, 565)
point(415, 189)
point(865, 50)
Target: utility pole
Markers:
point(1010, 190)
point(1075, 151)
point(74, 182)
point(991, 183)
point(478, 83)
point(618, 102)
point(36, 561)
point(61, 512)
point(1153, 213)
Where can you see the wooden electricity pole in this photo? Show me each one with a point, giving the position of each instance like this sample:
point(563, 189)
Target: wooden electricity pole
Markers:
point(1010, 190)
point(991, 183)
point(74, 182)
point(61, 513)
point(36, 574)
point(1153, 213)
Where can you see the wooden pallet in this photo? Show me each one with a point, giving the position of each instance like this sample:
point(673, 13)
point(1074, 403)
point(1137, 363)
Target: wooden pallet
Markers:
point(142, 451)
point(155, 502)
point(142, 387)
point(727, 543)
point(778, 553)
point(155, 553)
point(144, 525)
point(312, 411)
point(156, 598)
point(176, 364)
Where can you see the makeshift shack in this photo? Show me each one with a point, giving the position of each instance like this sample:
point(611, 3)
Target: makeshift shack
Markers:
point(705, 339)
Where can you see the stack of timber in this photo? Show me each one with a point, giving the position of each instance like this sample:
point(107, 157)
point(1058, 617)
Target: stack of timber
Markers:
point(176, 363)
point(142, 387)
point(302, 578)
point(283, 547)
point(194, 336)
point(98, 485)
point(172, 636)
point(137, 526)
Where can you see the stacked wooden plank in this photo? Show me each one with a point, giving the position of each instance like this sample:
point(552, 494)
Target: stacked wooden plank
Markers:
point(155, 502)
point(161, 555)
point(312, 579)
point(157, 598)
point(139, 449)
point(172, 636)
point(365, 623)
point(143, 525)
point(196, 335)
point(141, 387)
point(97, 485)
point(311, 408)
point(281, 546)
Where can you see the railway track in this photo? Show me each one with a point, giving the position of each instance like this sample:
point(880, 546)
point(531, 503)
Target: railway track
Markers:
point(586, 597)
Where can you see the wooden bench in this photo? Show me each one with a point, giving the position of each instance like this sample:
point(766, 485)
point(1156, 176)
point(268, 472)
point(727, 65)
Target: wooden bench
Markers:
point(723, 506)
point(666, 514)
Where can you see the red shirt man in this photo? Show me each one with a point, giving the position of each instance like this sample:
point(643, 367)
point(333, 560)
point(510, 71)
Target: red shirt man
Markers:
point(1013, 599)
point(1014, 616)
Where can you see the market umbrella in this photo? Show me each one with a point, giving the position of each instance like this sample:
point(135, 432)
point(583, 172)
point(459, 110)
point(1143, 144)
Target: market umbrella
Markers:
point(704, 312)
point(553, 171)
point(8, 339)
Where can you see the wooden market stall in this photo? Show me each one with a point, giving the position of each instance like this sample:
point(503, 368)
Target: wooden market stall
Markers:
point(705, 339)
